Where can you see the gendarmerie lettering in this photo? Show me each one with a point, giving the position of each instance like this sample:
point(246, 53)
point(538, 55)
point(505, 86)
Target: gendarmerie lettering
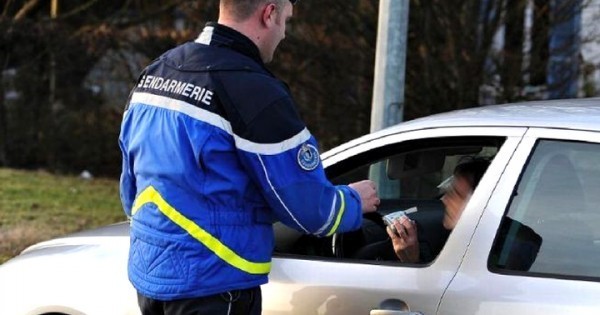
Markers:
point(194, 92)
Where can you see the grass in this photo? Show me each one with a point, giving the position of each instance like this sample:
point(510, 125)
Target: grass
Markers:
point(36, 206)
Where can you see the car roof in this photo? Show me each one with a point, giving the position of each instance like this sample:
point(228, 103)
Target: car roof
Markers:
point(570, 114)
point(575, 114)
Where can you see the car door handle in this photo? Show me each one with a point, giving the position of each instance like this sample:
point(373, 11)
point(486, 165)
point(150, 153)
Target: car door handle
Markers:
point(393, 307)
point(393, 312)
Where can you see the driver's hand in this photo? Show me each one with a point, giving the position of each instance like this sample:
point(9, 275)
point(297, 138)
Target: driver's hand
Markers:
point(368, 195)
point(404, 238)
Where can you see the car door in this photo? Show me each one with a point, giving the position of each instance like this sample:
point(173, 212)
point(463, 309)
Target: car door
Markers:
point(319, 281)
point(551, 187)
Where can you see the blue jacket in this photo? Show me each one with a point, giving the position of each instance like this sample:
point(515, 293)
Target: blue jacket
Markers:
point(213, 153)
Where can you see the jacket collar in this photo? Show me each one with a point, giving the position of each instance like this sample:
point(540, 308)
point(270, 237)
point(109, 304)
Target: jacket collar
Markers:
point(215, 34)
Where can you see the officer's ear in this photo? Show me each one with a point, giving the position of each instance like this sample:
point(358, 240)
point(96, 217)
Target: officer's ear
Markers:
point(269, 14)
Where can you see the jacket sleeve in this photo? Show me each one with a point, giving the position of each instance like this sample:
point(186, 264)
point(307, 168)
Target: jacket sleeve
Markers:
point(127, 187)
point(282, 158)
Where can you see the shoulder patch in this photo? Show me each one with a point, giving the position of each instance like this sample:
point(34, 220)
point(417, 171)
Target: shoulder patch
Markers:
point(308, 157)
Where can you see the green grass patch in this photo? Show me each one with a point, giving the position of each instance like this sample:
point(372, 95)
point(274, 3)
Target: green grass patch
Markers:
point(36, 206)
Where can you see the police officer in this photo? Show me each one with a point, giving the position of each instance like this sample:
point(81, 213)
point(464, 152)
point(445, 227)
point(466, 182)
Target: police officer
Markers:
point(213, 153)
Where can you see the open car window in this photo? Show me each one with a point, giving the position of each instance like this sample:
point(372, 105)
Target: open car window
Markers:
point(407, 175)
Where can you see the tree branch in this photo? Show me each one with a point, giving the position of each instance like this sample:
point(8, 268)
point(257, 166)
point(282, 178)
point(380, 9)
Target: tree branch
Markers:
point(25, 9)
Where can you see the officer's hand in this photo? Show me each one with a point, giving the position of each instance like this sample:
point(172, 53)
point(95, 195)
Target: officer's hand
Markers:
point(368, 195)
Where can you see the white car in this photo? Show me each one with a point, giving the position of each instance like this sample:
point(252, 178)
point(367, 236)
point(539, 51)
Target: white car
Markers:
point(528, 241)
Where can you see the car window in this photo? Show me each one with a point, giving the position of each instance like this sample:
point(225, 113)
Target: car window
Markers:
point(550, 226)
point(407, 175)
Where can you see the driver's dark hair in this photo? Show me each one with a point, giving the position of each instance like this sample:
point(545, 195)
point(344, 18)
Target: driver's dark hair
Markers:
point(472, 168)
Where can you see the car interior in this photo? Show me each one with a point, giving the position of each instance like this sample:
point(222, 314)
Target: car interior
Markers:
point(407, 175)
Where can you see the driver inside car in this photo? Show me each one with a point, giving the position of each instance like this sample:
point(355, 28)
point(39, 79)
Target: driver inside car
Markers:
point(403, 244)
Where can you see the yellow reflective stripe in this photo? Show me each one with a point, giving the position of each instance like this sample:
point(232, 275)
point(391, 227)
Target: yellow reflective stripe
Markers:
point(221, 250)
point(339, 215)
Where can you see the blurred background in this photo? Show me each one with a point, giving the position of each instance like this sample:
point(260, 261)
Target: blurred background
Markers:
point(68, 65)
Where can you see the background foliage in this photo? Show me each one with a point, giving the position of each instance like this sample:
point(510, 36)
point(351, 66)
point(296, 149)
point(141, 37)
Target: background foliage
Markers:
point(66, 75)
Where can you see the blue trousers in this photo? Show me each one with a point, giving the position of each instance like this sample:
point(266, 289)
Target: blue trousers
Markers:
point(237, 302)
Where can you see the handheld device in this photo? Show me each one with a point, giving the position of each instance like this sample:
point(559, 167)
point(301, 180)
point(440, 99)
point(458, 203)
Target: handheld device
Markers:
point(389, 218)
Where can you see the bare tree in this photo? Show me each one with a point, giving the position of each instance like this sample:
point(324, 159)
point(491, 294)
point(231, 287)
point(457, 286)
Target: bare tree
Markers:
point(62, 128)
point(449, 44)
point(327, 60)
point(457, 51)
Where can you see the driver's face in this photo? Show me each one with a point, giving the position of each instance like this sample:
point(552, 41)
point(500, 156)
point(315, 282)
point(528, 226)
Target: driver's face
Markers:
point(455, 199)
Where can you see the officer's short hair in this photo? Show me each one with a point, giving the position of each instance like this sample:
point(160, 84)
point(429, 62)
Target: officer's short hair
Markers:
point(242, 9)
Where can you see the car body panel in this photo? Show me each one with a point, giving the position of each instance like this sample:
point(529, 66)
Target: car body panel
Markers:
point(470, 292)
point(318, 287)
point(71, 275)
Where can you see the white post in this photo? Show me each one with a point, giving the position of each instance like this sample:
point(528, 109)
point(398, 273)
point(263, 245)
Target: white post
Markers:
point(390, 63)
point(388, 87)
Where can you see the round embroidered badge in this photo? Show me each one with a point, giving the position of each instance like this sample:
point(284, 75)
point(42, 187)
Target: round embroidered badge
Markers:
point(308, 157)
